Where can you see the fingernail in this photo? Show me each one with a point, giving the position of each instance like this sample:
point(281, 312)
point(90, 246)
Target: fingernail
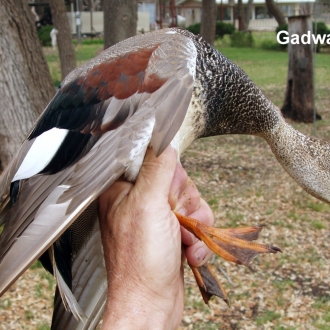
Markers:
point(200, 254)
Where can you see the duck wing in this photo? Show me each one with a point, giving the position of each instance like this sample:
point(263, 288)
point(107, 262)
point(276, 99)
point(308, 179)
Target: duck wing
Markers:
point(101, 120)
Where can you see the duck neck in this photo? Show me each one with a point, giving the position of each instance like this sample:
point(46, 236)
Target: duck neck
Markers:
point(303, 157)
point(233, 103)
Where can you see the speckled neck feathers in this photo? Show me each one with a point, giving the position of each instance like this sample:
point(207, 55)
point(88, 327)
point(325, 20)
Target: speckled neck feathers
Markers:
point(233, 103)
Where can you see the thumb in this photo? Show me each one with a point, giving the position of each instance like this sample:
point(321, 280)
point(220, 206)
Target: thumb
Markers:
point(153, 181)
point(156, 174)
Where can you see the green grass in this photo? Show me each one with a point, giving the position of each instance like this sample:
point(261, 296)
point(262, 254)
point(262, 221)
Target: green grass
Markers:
point(206, 326)
point(36, 265)
point(83, 54)
point(213, 202)
point(94, 41)
point(5, 303)
point(322, 304)
point(256, 62)
point(86, 52)
point(247, 58)
point(283, 285)
point(267, 316)
point(318, 206)
point(234, 218)
point(28, 315)
point(318, 225)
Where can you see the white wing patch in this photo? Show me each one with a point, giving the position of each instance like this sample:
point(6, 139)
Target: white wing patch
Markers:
point(137, 153)
point(41, 153)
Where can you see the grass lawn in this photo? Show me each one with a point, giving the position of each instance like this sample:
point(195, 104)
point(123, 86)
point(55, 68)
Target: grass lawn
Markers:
point(243, 183)
point(83, 54)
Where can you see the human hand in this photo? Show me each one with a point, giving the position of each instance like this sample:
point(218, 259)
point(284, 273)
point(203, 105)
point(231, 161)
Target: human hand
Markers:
point(142, 244)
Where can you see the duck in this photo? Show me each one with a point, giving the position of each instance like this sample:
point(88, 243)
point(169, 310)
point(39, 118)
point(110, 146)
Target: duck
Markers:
point(164, 88)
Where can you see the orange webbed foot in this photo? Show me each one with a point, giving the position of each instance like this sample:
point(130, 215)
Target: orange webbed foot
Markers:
point(232, 244)
point(208, 283)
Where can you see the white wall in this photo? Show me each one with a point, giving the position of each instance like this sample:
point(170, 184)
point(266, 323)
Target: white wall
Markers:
point(143, 21)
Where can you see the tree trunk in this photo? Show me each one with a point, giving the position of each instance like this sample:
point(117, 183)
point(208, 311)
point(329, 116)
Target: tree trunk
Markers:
point(299, 99)
point(247, 15)
point(305, 8)
point(64, 39)
point(208, 22)
point(120, 20)
point(275, 10)
point(240, 15)
point(25, 83)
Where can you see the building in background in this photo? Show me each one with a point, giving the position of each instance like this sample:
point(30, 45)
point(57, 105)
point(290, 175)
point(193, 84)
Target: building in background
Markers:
point(92, 20)
point(261, 19)
point(154, 14)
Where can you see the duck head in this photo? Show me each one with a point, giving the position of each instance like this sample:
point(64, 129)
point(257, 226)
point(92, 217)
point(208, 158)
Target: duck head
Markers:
point(233, 104)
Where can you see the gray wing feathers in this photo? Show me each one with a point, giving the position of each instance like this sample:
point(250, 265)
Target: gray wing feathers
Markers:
point(11, 169)
point(33, 193)
point(48, 224)
point(169, 122)
point(69, 301)
point(89, 286)
point(123, 109)
point(108, 160)
point(176, 59)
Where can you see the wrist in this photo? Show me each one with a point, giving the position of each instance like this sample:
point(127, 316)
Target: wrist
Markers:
point(138, 309)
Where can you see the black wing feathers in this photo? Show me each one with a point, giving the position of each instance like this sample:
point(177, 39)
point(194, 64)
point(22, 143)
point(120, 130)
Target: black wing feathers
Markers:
point(72, 108)
point(14, 191)
point(74, 146)
point(63, 256)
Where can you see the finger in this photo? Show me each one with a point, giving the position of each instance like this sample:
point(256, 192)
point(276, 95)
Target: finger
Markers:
point(152, 167)
point(203, 214)
point(189, 200)
point(156, 174)
point(187, 237)
point(178, 185)
point(198, 254)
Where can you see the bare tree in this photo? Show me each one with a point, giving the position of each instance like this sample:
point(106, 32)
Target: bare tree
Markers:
point(305, 8)
point(240, 15)
point(244, 16)
point(25, 83)
point(208, 22)
point(275, 10)
point(120, 20)
point(64, 39)
point(247, 15)
point(299, 99)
